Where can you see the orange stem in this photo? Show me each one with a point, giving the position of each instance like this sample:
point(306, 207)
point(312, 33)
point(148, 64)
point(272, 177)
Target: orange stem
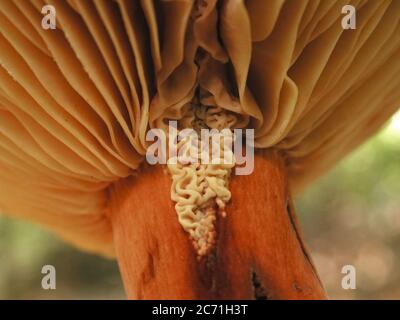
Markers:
point(259, 254)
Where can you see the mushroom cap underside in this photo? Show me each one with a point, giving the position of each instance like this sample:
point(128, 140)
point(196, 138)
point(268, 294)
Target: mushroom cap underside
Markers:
point(76, 102)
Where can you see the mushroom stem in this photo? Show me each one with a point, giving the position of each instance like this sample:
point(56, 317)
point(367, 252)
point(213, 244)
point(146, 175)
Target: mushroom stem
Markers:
point(259, 253)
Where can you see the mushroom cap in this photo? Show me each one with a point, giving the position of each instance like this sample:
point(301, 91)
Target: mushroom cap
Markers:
point(76, 102)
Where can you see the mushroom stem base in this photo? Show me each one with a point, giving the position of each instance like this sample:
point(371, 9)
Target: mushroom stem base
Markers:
point(260, 252)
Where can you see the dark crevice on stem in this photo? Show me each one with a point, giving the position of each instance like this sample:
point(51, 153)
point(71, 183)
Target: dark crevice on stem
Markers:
point(259, 290)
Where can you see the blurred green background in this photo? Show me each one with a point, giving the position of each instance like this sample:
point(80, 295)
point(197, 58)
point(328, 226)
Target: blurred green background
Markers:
point(350, 216)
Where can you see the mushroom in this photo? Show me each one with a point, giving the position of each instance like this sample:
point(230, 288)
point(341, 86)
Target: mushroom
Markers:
point(77, 101)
